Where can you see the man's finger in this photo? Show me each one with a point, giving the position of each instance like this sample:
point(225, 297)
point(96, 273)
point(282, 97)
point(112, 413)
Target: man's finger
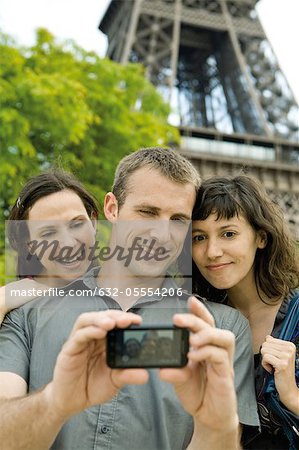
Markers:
point(79, 339)
point(216, 356)
point(190, 321)
point(199, 309)
point(175, 376)
point(213, 336)
point(108, 319)
point(120, 377)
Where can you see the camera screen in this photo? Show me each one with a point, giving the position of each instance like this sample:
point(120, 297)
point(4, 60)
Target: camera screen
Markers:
point(150, 347)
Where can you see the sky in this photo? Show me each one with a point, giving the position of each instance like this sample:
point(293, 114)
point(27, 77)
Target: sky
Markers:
point(79, 20)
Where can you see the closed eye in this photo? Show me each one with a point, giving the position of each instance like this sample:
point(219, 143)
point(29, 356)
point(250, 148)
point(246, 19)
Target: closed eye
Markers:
point(147, 212)
point(47, 234)
point(77, 223)
point(180, 220)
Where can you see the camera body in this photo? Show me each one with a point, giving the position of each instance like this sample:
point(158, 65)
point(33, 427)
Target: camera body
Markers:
point(147, 347)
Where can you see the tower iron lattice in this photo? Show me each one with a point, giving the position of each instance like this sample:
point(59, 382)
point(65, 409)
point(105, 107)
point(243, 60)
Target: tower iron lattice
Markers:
point(212, 61)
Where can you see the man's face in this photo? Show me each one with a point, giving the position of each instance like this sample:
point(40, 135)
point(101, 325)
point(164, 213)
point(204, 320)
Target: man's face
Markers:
point(156, 210)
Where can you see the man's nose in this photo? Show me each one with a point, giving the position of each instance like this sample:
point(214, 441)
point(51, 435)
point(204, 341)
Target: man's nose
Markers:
point(160, 231)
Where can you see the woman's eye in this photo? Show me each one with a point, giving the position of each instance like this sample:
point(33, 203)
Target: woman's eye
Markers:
point(47, 234)
point(77, 224)
point(197, 238)
point(229, 234)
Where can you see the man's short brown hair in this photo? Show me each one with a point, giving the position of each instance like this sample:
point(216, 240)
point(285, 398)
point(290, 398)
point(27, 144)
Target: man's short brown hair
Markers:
point(168, 162)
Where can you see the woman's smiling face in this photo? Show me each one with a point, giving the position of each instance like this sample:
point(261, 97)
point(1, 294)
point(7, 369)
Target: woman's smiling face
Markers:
point(61, 220)
point(224, 250)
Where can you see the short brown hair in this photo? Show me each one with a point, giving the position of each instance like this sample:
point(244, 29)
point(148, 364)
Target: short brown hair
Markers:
point(168, 162)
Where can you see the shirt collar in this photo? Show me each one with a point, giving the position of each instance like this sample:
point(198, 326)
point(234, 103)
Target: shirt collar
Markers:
point(90, 281)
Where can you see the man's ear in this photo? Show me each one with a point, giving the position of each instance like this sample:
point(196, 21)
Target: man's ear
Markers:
point(110, 207)
point(261, 239)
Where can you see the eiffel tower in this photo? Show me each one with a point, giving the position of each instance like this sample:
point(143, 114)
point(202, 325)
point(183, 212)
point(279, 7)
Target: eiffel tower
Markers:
point(211, 60)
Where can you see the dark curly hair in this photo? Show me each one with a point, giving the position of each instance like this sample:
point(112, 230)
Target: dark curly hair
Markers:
point(276, 266)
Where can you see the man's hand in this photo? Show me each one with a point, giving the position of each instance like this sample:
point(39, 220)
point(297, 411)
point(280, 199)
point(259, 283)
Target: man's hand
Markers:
point(81, 376)
point(205, 386)
point(81, 379)
point(279, 356)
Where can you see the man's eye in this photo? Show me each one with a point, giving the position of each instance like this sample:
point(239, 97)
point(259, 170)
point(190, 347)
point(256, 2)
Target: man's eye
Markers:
point(180, 221)
point(147, 212)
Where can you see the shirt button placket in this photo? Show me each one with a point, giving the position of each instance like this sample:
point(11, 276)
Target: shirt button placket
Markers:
point(105, 426)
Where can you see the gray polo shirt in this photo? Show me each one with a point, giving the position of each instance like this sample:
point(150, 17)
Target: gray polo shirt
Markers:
point(149, 416)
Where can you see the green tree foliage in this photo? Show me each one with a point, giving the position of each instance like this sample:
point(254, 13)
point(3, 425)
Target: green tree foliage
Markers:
point(63, 106)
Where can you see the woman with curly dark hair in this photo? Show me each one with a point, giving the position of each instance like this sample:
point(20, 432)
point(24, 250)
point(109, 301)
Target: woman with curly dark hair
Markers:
point(244, 256)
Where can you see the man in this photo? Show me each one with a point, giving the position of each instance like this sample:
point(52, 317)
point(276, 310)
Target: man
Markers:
point(54, 348)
